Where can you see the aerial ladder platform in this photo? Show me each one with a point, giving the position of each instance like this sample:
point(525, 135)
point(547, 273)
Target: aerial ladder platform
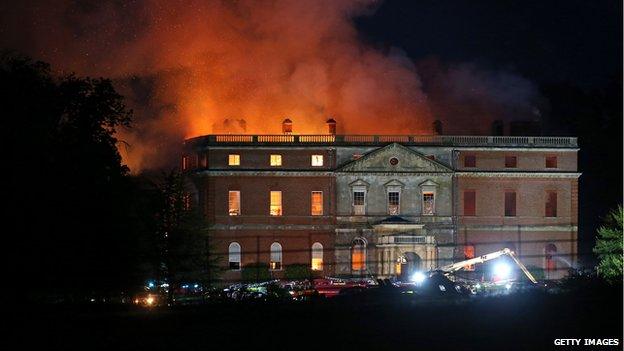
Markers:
point(454, 267)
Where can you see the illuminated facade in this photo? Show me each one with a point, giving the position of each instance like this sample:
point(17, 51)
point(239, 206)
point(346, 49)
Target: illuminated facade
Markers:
point(385, 206)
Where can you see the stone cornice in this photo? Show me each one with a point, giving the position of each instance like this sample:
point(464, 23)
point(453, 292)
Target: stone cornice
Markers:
point(486, 174)
point(267, 173)
point(304, 173)
point(512, 148)
point(328, 227)
point(523, 228)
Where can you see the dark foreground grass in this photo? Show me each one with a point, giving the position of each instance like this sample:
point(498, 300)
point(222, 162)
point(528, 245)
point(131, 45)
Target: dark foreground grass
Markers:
point(514, 322)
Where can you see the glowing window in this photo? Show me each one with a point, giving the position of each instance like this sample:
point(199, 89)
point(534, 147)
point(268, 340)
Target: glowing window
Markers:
point(393, 202)
point(185, 163)
point(469, 252)
point(276, 256)
point(317, 203)
point(358, 255)
point(234, 203)
point(317, 160)
point(234, 160)
point(276, 160)
point(550, 265)
point(317, 257)
point(358, 203)
point(235, 256)
point(276, 203)
point(428, 203)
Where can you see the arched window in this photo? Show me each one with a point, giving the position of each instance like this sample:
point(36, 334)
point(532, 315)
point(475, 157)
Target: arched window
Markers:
point(358, 254)
point(550, 265)
point(469, 252)
point(235, 256)
point(317, 257)
point(276, 257)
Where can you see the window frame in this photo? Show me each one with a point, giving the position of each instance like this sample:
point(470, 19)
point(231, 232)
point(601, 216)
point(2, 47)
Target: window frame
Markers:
point(281, 203)
point(203, 162)
point(276, 157)
point(474, 202)
point(398, 205)
point(550, 264)
point(234, 253)
point(362, 244)
point(472, 157)
point(229, 203)
point(278, 251)
point(312, 161)
point(551, 157)
point(236, 157)
point(312, 203)
point(515, 204)
point(513, 164)
point(363, 205)
point(469, 249)
point(317, 250)
point(433, 195)
point(554, 209)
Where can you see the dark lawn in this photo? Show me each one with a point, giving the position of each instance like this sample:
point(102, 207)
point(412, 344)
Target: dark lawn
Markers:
point(521, 321)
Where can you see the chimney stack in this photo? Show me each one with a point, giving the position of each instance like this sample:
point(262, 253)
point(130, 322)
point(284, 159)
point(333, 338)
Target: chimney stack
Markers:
point(437, 127)
point(331, 126)
point(287, 126)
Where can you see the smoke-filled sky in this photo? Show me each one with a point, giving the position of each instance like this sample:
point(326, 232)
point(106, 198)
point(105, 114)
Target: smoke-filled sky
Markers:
point(196, 67)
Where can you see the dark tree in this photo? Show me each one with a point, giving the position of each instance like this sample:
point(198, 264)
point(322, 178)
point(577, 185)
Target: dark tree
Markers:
point(184, 243)
point(609, 246)
point(71, 199)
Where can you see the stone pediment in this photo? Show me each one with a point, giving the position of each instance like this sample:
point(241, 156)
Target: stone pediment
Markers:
point(395, 158)
point(360, 183)
point(394, 183)
point(428, 183)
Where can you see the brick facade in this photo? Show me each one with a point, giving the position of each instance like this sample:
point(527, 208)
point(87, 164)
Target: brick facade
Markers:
point(428, 181)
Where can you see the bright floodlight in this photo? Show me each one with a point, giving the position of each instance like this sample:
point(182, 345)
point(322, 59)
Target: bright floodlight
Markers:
point(502, 270)
point(418, 277)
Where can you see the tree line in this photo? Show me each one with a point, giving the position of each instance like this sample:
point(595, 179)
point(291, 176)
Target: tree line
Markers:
point(80, 222)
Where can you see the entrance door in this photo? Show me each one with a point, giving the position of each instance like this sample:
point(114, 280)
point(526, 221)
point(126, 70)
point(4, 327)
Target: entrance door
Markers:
point(412, 264)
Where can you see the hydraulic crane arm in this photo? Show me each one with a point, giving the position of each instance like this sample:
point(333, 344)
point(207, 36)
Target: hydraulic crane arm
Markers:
point(463, 264)
point(523, 268)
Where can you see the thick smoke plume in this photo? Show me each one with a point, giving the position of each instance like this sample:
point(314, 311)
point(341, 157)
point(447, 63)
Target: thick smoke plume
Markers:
point(196, 67)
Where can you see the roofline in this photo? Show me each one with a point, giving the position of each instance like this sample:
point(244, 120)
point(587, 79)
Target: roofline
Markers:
point(381, 140)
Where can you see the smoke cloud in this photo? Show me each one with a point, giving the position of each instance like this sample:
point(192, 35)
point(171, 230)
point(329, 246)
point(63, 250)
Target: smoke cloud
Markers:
point(197, 67)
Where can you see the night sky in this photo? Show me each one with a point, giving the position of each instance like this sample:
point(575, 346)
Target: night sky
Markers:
point(559, 62)
point(575, 41)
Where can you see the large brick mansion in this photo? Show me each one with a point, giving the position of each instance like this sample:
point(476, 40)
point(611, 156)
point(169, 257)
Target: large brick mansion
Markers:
point(386, 205)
